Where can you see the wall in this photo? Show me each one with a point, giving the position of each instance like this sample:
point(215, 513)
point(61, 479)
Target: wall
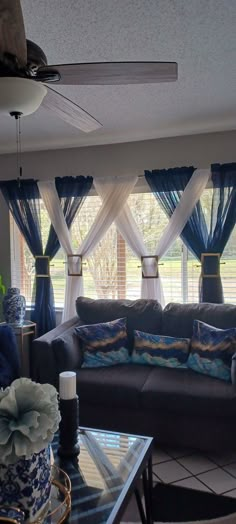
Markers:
point(121, 159)
point(113, 160)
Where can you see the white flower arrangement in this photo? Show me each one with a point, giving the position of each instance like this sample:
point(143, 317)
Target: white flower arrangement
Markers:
point(29, 417)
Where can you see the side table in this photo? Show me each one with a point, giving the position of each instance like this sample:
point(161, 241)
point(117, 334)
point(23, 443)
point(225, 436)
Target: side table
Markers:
point(25, 334)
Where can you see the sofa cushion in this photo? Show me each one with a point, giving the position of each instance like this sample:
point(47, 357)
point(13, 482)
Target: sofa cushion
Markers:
point(158, 350)
point(112, 386)
point(212, 350)
point(178, 318)
point(104, 344)
point(186, 392)
point(142, 314)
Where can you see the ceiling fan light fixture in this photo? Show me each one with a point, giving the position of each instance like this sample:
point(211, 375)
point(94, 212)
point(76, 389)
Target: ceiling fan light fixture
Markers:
point(20, 95)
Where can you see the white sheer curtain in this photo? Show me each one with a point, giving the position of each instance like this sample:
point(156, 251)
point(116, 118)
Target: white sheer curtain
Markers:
point(152, 287)
point(129, 230)
point(182, 212)
point(117, 192)
point(52, 203)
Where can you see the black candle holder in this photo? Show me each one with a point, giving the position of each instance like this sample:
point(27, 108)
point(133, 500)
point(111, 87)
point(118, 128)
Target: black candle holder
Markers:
point(69, 428)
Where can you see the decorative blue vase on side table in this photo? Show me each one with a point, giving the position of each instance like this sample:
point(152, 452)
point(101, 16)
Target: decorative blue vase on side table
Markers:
point(14, 307)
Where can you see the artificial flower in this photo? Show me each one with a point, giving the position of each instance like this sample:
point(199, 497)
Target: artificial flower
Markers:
point(29, 417)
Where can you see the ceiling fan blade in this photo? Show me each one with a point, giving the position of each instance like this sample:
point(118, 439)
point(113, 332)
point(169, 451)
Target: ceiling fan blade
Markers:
point(111, 73)
point(12, 31)
point(69, 111)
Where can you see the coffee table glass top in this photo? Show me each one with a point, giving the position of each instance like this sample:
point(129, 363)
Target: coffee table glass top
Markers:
point(104, 474)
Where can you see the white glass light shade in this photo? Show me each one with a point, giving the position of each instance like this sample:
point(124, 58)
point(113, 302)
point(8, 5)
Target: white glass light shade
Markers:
point(20, 94)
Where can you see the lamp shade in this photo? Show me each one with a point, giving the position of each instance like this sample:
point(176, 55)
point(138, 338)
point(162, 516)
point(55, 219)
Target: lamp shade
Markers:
point(20, 95)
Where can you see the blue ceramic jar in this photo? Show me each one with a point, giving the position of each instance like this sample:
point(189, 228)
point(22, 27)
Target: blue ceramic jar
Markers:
point(27, 485)
point(14, 307)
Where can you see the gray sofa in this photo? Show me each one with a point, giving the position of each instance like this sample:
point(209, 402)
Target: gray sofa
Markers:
point(176, 406)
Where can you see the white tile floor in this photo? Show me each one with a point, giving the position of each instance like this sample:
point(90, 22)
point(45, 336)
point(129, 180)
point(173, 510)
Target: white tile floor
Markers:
point(190, 469)
point(201, 471)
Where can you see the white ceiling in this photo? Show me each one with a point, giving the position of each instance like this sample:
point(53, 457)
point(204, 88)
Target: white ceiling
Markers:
point(198, 34)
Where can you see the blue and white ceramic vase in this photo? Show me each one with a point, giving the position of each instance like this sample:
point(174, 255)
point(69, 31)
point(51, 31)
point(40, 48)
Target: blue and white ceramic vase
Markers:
point(14, 307)
point(27, 485)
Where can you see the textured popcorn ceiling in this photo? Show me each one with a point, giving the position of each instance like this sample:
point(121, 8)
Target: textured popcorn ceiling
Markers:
point(198, 34)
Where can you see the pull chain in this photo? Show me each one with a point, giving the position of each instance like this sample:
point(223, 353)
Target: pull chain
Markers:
point(17, 144)
point(17, 116)
point(19, 141)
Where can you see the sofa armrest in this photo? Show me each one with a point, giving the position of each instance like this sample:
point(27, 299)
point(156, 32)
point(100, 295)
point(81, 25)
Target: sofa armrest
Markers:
point(233, 369)
point(43, 357)
point(68, 355)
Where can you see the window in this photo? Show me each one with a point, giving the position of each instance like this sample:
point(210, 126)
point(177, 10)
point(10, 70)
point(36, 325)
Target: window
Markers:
point(228, 270)
point(113, 271)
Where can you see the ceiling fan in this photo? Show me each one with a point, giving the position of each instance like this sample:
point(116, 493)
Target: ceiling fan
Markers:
point(26, 79)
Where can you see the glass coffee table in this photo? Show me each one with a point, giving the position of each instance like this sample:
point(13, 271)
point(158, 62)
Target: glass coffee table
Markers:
point(105, 474)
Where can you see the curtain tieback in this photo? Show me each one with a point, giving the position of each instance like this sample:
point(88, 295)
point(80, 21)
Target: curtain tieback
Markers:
point(74, 265)
point(42, 267)
point(149, 265)
point(210, 263)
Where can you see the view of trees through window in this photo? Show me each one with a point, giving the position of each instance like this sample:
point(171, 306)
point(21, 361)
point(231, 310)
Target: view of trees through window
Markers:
point(113, 271)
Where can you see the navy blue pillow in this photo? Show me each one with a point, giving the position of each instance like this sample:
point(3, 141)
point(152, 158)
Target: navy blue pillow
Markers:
point(212, 350)
point(104, 344)
point(159, 350)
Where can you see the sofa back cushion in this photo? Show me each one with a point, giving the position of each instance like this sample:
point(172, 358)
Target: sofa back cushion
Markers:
point(178, 318)
point(142, 314)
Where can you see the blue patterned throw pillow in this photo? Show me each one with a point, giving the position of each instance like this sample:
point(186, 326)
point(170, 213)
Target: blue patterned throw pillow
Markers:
point(104, 344)
point(212, 350)
point(158, 350)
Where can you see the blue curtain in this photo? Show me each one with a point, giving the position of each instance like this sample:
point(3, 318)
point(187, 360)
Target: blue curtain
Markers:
point(168, 185)
point(211, 234)
point(24, 203)
point(222, 222)
point(201, 235)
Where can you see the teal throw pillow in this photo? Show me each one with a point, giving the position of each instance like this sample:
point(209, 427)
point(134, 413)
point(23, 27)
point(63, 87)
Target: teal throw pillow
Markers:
point(104, 344)
point(158, 350)
point(212, 350)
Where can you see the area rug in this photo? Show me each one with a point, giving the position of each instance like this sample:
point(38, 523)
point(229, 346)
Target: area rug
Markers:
point(178, 504)
point(175, 504)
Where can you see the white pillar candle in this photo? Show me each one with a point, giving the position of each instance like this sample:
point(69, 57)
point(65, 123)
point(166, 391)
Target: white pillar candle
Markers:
point(67, 385)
